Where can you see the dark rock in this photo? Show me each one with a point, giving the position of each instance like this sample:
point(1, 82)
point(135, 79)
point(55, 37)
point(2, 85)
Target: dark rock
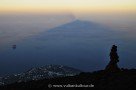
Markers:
point(114, 59)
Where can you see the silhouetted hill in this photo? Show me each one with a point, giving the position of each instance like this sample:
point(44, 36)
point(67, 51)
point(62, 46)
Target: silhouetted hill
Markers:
point(48, 71)
point(100, 80)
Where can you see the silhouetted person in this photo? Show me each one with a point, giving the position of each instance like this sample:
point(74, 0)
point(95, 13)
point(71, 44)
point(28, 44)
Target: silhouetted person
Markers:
point(114, 59)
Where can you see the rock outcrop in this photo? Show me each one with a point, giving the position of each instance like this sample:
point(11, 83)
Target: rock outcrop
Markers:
point(114, 59)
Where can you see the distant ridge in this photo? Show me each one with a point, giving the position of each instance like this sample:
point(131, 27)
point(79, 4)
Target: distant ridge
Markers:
point(79, 28)
point(81, 25)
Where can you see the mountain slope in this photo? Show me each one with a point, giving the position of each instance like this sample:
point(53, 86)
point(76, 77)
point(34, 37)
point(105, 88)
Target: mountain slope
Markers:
point(48, 71)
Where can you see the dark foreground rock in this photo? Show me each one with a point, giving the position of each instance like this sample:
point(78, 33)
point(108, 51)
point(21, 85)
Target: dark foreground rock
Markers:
point(99, 80)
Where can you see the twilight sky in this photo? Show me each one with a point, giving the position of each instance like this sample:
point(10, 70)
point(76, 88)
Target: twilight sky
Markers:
point(67, 5)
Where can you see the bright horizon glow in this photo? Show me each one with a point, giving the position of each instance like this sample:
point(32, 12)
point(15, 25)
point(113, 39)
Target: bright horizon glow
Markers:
point(67, 5)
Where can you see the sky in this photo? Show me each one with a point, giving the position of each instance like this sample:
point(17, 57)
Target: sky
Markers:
point(67, 5)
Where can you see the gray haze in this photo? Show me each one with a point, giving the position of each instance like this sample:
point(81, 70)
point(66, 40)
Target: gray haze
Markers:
point(15, 27)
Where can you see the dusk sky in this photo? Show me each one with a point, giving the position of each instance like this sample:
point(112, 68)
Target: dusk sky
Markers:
point(67, 5)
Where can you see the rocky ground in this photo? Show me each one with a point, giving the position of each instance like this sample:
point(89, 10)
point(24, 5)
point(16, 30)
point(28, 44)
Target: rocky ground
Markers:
point(100, 80)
